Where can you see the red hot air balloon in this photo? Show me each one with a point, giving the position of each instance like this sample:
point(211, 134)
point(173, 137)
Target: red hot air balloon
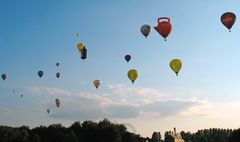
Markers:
point(58, 74)
point(228, 19)
point(164, 28)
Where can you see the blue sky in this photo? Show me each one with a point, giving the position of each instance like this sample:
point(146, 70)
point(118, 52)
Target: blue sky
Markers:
point(36, 35)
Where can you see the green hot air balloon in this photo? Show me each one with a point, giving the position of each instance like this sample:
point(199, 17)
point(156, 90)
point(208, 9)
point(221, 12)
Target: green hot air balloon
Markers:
point(145, 30)
point(176, 65)
point(132, 75)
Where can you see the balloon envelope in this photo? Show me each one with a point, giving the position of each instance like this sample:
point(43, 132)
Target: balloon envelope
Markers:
point(164, 27)
point(127, 58)
point(57, 102)
point(58, 74)
point(40, 73)
point(176, 65)
point(228, 19)
point(96, 83)
point(4, 76)
point(57, 64)
point(80, 46)
point(132, 75)
point(145, 30)
point(48, 110)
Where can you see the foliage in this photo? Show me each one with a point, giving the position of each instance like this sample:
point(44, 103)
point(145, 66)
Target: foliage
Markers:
point(105, 131)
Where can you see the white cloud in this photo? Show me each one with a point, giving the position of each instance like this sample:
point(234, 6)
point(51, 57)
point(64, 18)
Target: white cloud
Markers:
point(85, 108)
point(50, 91)
point(203, 108)
point(174, 107)
point(122, 101)
point(124, 90)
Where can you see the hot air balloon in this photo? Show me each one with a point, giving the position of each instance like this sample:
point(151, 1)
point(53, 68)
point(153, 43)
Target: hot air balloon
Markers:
point(48, 110)
point(228, 19)
point(13, 91)
point(80, 46)
point(21, 96)
point(57, 102)
point(127, 58)
point(40, 73)
point(132, 75)
point(96, 83)
point(4, 76)
point(176, 65)
point(164, 28)
point(77, 34)
point(84, 53)
point(58, 74)
point(145, 29)
point(57, 64)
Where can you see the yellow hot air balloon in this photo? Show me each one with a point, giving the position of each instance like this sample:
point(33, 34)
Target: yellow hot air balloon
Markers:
point(132, 75)
point(80, 46)
point(96, 83)
point(176, 65)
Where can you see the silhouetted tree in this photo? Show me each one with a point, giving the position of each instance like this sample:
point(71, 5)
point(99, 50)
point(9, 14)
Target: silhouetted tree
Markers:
point(235, 136)
point(105, 131)
point(128, 137)
point(168, 137)
point(156, 137)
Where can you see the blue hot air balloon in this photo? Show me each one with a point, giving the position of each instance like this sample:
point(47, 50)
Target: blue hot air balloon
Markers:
point(40, 73)
point(127, 58)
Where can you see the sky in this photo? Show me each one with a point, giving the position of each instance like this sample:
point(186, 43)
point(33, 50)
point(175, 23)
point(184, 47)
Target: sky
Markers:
point(35, 35)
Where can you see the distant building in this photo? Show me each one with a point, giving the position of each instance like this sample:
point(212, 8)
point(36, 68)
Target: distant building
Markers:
point(177, 137)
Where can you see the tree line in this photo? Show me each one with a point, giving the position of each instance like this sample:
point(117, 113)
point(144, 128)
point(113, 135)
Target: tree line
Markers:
point(106, 131)
point(206, 135)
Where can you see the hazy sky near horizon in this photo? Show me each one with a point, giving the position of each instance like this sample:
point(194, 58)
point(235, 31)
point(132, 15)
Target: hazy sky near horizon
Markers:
point(35, 35)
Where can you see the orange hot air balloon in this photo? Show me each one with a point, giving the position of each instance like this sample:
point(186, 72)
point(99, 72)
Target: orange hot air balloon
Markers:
point(96, 83)
point(80, 46)
point(164, 27)
point(58, 74)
